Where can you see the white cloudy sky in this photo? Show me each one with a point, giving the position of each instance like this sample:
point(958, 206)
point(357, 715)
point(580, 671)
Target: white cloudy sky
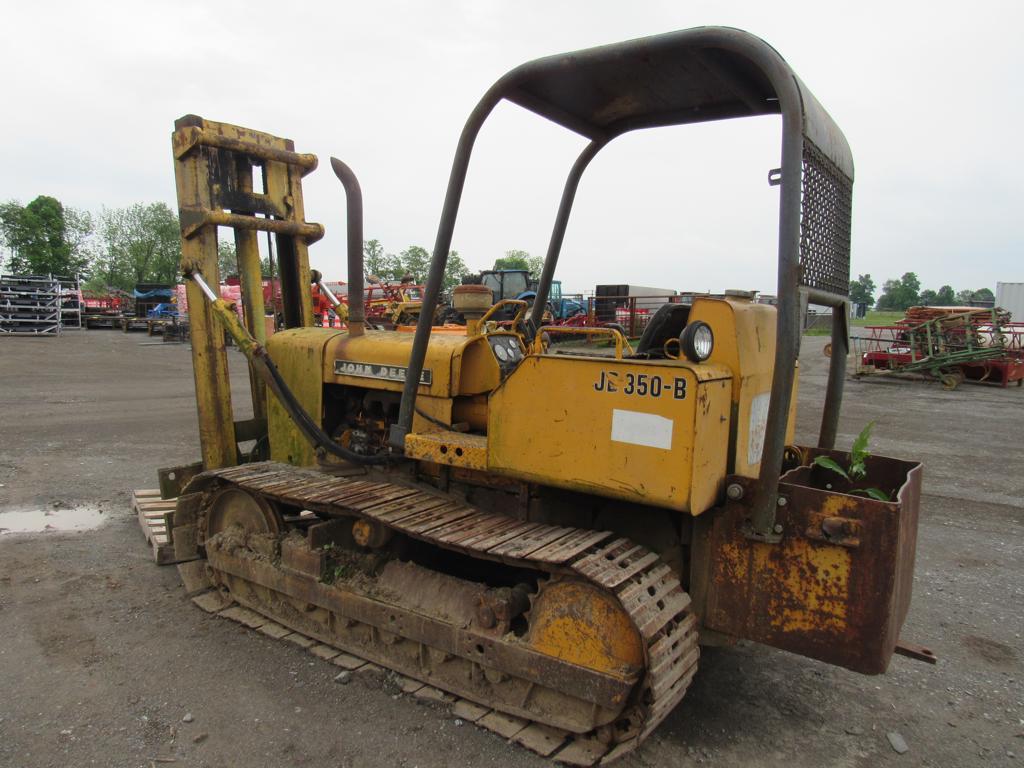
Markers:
point(928, 94)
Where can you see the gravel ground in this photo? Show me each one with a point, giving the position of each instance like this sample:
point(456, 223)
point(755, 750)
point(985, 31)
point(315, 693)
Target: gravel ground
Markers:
point(102, 656)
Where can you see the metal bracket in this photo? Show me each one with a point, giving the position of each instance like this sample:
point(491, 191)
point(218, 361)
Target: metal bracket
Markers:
point(740, 491)
point(762, 537)
point(396, 437)
point(841, 531)
point(174, 479)
point(916, 652)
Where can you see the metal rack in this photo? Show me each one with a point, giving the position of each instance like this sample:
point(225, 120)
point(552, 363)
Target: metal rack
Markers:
point(70, 303)
point(38, 305)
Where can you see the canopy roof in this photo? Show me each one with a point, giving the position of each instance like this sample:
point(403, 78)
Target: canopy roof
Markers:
point(689, 76)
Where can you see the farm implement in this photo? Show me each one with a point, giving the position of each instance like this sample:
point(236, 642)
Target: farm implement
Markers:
point(949, 344)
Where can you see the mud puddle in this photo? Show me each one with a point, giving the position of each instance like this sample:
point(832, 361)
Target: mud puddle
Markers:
point(46, 520)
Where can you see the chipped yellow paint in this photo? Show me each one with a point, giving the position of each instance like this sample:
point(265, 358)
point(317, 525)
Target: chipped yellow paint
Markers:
point(454, 449)
point(437, 408)
point(809, 584)
point(745, 343)
point(835, 504)
point(799, 585)
point(298, 354)
point(578, 423)
point(581, 624)
point(443, 363)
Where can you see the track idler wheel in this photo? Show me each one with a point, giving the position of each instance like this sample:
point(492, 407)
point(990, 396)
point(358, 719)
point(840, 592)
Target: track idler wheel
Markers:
point(234, 508)
point(369, 533)
point(585, 625)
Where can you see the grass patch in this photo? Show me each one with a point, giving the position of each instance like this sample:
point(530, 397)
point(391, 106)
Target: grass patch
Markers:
point(824, 327)
point(875, 317)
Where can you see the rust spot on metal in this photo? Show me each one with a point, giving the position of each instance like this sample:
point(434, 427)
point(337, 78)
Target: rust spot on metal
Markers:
point(837, 587)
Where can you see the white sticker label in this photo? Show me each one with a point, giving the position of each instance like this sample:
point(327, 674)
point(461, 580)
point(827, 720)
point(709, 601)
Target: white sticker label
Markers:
point(638, 428)
point(758, 422)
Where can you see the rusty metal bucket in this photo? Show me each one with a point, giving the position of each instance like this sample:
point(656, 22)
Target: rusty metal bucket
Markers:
point(837, 586)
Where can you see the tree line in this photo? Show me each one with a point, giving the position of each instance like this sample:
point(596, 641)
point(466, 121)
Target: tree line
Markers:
point(900, 294)
point(141, 243)
point(414, 263)
point(119, 247)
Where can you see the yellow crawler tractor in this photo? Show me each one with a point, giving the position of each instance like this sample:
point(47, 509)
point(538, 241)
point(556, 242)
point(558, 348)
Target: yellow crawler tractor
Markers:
point(549, 533)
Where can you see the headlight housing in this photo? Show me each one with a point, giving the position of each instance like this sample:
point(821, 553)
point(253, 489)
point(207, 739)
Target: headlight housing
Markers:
point(697, 341)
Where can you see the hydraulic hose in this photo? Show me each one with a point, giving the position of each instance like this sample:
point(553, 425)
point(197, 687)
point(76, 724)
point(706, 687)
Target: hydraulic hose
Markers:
point(306, 424)
point(257, 356)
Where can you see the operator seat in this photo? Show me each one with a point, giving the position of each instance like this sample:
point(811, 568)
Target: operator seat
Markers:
point(668, 322)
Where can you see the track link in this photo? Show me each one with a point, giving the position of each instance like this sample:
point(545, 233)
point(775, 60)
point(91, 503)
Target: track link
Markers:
point(646, 588)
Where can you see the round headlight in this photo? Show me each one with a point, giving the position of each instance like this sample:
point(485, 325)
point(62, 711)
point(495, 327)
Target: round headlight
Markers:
point(501, 352)
point(697, 341)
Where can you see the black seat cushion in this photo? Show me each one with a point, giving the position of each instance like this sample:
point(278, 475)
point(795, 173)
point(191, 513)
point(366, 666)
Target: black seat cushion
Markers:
point(668, 322)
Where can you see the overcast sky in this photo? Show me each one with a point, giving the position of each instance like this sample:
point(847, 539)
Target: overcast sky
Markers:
point(928, 94)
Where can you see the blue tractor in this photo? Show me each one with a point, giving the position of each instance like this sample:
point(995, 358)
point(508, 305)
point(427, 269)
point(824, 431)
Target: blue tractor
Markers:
point(517, 284)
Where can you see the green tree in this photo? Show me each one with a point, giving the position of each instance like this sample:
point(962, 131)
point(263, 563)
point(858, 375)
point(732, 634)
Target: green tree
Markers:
point(388, 266)
point(945, 297)
point(373, 258)
point(984, 294)
point(928, 298)
point(900, 294)
point(454, 271)
point(13, 236)
point(536, 266)
point(227, 259)
point(517, 259)
point(44, 237)
point(862, 290)
point(963, 297)
point(514, 259)
point(415, 261)
point(139, 244)
point(79, 234)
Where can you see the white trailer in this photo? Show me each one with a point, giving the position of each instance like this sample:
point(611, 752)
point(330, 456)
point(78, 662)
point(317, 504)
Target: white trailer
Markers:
point(1010, 296)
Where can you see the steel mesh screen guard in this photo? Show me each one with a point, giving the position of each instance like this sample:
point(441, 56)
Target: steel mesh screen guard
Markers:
point(826, 199)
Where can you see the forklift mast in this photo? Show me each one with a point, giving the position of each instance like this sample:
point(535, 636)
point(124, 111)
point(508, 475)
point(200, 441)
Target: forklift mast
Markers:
point(251, 182)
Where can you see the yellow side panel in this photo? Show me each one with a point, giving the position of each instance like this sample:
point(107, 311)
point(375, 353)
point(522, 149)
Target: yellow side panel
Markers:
point(480, 373)
point(298, 354)
point(745, 343)
point(437, 408)
point(652, 432)
point(377, 360)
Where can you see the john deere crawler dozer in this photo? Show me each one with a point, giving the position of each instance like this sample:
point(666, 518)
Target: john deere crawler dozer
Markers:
point(405, 497)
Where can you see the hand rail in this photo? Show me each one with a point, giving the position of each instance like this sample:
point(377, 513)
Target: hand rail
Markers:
point(505, 303)
point(620, 340)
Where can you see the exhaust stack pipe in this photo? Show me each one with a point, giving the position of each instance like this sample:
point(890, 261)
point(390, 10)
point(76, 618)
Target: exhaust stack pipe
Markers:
point(354, 214)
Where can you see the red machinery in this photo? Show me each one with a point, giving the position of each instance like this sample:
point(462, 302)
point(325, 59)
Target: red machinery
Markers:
point(951, 344)
point(108, 303)
point(391, 304)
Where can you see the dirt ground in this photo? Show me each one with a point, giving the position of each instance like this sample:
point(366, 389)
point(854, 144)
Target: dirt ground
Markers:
point(102, 656)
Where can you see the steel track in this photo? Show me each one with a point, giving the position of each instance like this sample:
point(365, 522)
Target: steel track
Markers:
point(646, 588)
